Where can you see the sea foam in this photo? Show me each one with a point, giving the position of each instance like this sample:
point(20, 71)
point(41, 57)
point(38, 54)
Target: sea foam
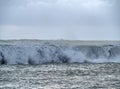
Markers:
point(24, 52)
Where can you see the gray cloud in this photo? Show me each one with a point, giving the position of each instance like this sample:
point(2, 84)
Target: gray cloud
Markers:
point(57, 19)
point(55, 12)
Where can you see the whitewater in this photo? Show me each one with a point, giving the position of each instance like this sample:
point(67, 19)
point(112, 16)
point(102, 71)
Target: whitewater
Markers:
point(42, 52)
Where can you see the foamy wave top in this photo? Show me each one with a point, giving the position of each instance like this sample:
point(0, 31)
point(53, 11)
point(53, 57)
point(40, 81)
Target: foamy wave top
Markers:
point(57, 53)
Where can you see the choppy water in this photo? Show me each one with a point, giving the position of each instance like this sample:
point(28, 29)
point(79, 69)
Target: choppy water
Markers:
point(60, 76)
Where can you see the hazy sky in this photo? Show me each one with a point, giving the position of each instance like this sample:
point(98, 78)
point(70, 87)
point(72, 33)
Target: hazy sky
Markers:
point(59, 19)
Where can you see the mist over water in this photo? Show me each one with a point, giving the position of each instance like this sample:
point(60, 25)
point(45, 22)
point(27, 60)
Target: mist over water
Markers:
point(56, 27)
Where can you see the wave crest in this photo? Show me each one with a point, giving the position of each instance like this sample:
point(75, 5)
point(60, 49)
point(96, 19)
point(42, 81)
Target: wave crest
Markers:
point(56, 53)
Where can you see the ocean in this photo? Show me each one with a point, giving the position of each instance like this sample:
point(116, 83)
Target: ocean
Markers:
point(35, 64)
point(61, 76)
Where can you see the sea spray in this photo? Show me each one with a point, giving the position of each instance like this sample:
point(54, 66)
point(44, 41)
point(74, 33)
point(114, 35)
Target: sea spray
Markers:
point(50, 52)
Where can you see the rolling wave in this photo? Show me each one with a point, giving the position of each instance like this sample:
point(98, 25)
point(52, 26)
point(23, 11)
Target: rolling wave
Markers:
point(47, 52)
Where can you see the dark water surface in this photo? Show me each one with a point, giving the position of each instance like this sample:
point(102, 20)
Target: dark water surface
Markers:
point(60, 76)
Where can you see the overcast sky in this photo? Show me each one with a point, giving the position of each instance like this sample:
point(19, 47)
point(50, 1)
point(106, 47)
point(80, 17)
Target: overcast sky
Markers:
point(59, 19)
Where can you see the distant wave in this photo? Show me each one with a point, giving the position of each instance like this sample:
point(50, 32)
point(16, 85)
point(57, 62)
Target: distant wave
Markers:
point(57, 53)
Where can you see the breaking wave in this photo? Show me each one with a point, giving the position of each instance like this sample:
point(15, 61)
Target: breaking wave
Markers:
point(57, 53)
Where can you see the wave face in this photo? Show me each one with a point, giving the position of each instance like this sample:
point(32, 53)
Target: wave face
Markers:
point(47, 52)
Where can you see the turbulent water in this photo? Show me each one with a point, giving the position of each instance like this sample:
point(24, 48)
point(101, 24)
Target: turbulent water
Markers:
point(62, 64)
point(60, 76)
point(40, 52)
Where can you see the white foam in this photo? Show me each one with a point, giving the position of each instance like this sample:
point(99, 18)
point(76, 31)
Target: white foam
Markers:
point(29, 53)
